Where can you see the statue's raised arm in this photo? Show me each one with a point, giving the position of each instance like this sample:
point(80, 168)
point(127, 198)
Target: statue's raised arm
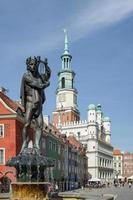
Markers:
point(46, 76)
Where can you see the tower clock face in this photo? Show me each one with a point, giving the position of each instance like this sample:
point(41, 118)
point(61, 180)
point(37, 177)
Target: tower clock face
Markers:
point(62, 97)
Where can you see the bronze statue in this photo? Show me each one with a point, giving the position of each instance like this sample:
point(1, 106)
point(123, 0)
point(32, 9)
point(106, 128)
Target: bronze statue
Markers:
point(33, 97)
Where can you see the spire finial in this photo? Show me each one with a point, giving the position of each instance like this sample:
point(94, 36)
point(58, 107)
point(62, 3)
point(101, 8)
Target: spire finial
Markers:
point(66, 41)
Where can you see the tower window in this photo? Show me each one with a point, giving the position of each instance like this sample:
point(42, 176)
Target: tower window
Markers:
point(72, 83)
point(67, 62)
point(63, 82)
point(78, 133)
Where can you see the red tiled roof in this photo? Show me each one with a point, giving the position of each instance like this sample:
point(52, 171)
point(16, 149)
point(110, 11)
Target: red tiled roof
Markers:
point(54, 131)
point(73, 141)
point(117, 152)
point(12, 104)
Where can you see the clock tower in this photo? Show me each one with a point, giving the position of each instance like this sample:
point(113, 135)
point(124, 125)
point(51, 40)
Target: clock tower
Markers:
point(66, 94)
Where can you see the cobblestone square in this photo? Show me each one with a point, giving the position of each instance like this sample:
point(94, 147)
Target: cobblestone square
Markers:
point(121, 193)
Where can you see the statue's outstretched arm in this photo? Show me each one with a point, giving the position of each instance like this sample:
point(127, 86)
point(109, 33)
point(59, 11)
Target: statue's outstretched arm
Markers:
point(46, 84)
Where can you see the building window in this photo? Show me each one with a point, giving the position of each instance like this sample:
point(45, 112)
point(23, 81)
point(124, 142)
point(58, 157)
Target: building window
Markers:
point(2, 156)
point(50, 144)
point(54, 147)
point(59, 149)
point(1, 130)
point(59, 164)
point(85, 146)
point(69, 156)
point(55, 165)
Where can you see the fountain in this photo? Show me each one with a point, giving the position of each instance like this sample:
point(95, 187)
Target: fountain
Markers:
point(30, 165)
point(30, 173)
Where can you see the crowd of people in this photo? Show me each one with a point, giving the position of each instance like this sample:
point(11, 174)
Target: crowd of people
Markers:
point(96, 184)
point(122, 183)
point(116, 183)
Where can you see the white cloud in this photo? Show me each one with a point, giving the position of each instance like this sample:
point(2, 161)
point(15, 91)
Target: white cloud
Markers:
point(98, 15)
point(87, 18)
point(92, 17)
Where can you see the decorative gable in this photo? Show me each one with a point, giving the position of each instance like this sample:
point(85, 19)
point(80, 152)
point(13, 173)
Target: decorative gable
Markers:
point(8, 106)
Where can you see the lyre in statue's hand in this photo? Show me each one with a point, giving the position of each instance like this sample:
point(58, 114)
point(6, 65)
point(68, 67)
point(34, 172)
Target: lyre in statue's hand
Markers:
point(45, 62)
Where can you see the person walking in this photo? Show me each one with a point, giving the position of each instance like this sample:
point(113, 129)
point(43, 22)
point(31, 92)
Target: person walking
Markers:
point(56, 188)
point(129, 184)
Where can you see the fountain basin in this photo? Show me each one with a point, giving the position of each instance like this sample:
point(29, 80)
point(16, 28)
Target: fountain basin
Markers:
point(29, 190)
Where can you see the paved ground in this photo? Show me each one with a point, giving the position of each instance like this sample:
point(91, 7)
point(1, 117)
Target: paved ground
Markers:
point(121, 193)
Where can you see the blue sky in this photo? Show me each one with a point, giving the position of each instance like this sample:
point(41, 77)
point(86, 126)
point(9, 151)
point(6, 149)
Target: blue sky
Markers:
point(100, 41)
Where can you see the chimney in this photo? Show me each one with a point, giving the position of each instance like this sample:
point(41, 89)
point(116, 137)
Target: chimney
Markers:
point(46, 119)
point(3, 90)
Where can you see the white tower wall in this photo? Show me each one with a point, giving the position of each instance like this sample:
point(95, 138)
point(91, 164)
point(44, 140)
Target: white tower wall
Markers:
point(92, 130)
point(91, 115)
point(99, 119)
point(107, 130)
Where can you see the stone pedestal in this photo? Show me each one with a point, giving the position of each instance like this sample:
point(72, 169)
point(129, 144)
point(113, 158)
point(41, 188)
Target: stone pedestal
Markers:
point(29, 190)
